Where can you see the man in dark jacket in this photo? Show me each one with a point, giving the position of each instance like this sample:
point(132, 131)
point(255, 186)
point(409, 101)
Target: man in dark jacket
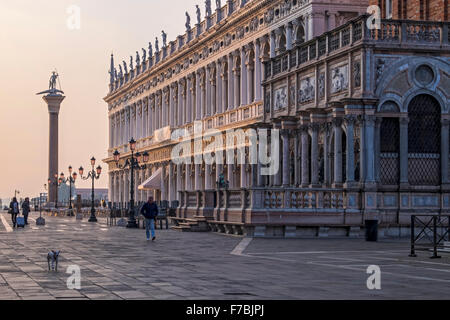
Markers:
point(150, 212)
point(14, 211)
point(26, 209)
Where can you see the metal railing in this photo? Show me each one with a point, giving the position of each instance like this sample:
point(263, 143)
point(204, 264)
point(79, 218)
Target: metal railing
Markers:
point(429, 232)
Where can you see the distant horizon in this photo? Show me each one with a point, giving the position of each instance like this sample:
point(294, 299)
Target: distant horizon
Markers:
point(36, 40)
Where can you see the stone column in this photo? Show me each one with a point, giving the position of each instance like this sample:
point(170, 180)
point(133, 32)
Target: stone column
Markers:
point(189, 92)
point(297, 173)
point(350, 164)
point(188, 180)
point(120, 188)
point(305, 156)
point(181, 102)
point(370, 143)
point(337, 151)
point(219, 93)
point(444, 150)
point(288, 29)
point(258, 70)
point(231, 87)
point(207, 106)
point(404, 122)
point(197, 176)
point(326, 151)
point(315, 154)
point(54, 105)
point(208, 178)
point(250, 77)
point(244, 75)
point(172, 98)
point(236, 80)
point(171, 183)
point(111, 187)
point(145, 132)
point(286, 158)
point(179, 181)
point(163, 182)
point(198, 95)
point(226, 87)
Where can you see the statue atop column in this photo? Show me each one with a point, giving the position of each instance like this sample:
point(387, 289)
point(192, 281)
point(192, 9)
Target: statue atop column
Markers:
point(188, 22)
point(150, 50)
point(164, 38)
point(208, 8)
point(157, 44)
point(131, 63)
point(138, 59)
point(199, 15)
point(120, 72)
point(125, 67)
point(144, 55)
point(52, 90)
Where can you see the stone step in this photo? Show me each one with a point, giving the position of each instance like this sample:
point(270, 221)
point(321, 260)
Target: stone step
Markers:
point(181, 228)
point(447, 244)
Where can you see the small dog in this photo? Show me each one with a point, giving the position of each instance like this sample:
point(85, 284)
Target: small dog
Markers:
point(52, 260)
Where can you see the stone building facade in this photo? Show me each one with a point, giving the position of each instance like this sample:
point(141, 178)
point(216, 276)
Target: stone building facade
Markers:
point(212, 77)
point(365, 127)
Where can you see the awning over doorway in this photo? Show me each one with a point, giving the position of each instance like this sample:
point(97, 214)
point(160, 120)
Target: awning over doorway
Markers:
point(153, 183)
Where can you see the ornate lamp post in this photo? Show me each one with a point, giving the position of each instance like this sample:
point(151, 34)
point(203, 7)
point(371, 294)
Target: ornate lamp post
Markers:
point(71, 180)
point(133, 164)
point(94, 174)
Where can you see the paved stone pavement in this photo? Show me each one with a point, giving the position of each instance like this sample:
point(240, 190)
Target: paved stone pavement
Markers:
point(117, 263)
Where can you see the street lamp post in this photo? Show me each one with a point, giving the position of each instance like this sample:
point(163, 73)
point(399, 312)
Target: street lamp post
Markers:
point(94, 174)
point(16, 192)
point(71, 180)
point(133, 164)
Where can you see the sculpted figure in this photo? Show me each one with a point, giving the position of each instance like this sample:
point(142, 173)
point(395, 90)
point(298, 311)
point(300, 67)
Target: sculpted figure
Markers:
point(188, 22)
point(164, 38)
point(150, 50)
point(208, 8)
point(138, 59)
point(131, 63)
point(144, 55)
point(156, 44)
point(125, 67)
point(52, 82)
point(120, 71)
point(218, 5)
point(199, 15)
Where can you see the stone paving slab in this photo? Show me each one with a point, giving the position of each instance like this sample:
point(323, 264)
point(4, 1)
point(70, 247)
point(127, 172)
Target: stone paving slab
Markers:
point(118, 263)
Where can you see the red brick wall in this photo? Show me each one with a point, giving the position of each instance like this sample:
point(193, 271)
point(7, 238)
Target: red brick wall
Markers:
point(434, 10)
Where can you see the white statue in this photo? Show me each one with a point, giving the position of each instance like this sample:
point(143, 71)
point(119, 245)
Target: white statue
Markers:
point(218, 5)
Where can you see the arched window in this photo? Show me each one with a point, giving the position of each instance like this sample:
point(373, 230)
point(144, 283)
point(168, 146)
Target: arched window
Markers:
point(424, 141)
point(389, 149)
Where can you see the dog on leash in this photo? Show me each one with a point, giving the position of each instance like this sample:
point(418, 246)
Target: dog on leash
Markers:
point(52, 260)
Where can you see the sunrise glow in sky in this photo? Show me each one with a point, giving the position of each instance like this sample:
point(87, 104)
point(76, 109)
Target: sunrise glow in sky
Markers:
point(35, 40)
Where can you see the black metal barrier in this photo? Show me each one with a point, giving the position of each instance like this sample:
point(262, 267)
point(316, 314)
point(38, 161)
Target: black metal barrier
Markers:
point(429, 232)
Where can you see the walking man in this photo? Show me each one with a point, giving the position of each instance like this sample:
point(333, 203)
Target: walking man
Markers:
point(150, 212)
point(26, 209)
point(14, 210)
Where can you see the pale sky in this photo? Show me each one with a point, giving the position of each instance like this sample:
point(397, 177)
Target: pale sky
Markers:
point(34, 40)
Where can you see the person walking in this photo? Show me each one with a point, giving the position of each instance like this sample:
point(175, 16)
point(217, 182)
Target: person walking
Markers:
point(14, 211)
point(150, 211)
point(26, 209)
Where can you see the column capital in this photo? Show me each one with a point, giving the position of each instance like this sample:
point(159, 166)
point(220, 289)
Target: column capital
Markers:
point(337, 122)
